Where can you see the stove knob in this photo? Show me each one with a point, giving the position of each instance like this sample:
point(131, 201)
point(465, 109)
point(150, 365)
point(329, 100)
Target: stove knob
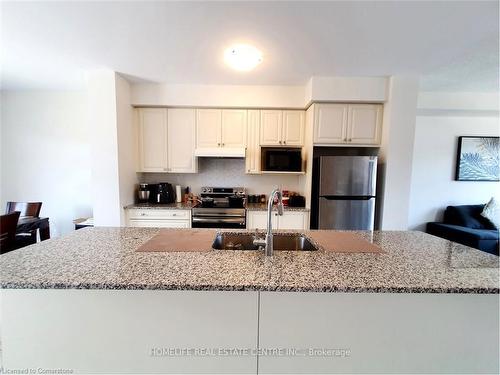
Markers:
point(203, 190)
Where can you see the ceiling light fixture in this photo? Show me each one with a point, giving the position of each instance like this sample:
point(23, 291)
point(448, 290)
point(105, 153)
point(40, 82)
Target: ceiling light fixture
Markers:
point(242, 57)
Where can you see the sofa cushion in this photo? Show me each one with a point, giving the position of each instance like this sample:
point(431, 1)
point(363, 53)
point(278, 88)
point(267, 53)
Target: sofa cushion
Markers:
point(467, 216)
point(492, 212)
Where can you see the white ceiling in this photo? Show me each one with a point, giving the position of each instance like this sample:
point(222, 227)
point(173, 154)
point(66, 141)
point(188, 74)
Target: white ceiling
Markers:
point(454, 45)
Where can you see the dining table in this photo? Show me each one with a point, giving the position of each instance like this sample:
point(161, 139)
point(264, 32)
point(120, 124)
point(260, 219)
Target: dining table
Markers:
point(27, 224)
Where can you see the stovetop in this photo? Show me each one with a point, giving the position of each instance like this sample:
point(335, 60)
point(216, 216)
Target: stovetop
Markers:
point(221, 196)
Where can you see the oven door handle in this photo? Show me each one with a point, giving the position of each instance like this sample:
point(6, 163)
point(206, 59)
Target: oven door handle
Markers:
point(219, 220)
point(212, 214)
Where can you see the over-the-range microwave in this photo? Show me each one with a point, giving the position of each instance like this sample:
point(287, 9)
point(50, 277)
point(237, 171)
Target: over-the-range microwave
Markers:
point(276, 159)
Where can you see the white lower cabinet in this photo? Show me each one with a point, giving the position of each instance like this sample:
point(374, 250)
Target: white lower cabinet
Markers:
point(159, 218)
point(294, 220)
point(379, 333)
point(129, 331)
point(258, 220)
point(159, 223)
point(145, 331)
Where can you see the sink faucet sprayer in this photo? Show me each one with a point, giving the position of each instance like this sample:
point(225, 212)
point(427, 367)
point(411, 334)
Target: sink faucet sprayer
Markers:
point(268, 242)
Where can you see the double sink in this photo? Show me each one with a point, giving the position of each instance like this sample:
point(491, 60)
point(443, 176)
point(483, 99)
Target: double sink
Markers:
point(245, 241)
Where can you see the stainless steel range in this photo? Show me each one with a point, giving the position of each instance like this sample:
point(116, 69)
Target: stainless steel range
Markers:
point(220, 207)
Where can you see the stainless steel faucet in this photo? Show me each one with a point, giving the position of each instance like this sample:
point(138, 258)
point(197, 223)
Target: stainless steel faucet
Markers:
point(267, 243)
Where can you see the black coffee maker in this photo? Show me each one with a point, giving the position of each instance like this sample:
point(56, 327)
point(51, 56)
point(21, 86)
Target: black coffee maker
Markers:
point(162, 193)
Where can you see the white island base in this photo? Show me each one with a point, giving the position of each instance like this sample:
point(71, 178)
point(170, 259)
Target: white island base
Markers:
point(148, 331)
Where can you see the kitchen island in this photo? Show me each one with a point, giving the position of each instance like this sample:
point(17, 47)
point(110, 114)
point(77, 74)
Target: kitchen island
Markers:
point(91, 303)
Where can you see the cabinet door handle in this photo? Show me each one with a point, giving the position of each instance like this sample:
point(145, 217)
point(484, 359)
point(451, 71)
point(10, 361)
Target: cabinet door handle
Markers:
point(280, 142)
point(223, 145)
point(349, 140)
point(143, 214)
point(284, 142)
point(218, 144)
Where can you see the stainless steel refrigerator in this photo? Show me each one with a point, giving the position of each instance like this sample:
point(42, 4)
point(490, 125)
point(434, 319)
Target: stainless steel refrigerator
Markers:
point(347, 192)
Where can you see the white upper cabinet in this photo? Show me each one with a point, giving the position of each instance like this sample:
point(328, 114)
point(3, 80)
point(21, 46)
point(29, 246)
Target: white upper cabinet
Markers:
point(348, 124)
point(252, 157)
point(181, 128)
point(166, 140)
point(271, 126)
point(234, 128)
point(221, 128)
point(208, 128)
point(293, 128)
point(330, 123)
point(152, 139)
point(282, 128)
point(365, 124)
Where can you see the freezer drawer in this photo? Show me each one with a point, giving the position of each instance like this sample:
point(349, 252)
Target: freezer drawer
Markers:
point(346, 214)
point(348, 175)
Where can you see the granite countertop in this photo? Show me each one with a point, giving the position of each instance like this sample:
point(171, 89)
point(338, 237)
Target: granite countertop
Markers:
point(263, 207)
point(154, 206)
point(105, 258)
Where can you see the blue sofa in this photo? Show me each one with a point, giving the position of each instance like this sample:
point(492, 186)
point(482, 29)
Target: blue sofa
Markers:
point(465, 225)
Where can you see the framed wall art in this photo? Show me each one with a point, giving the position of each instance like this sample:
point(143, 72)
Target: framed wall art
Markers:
point(478, 159)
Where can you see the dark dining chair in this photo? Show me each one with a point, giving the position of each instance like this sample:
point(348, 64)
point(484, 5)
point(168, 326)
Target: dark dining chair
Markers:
point(31, 209)
point(27, 209)
point(8, 224)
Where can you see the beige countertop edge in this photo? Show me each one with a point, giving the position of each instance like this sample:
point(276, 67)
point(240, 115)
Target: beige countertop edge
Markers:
point(188, 206)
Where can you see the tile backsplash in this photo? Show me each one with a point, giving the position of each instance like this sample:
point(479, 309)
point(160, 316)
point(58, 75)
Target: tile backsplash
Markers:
point(225, 172)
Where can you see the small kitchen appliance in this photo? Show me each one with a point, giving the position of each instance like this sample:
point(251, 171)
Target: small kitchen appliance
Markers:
point(143, 193)
point(281, 159)
point(162, 193)
point(297, 201)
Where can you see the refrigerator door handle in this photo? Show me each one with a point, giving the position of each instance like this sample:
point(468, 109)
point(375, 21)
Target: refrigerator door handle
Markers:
point(347, 197)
